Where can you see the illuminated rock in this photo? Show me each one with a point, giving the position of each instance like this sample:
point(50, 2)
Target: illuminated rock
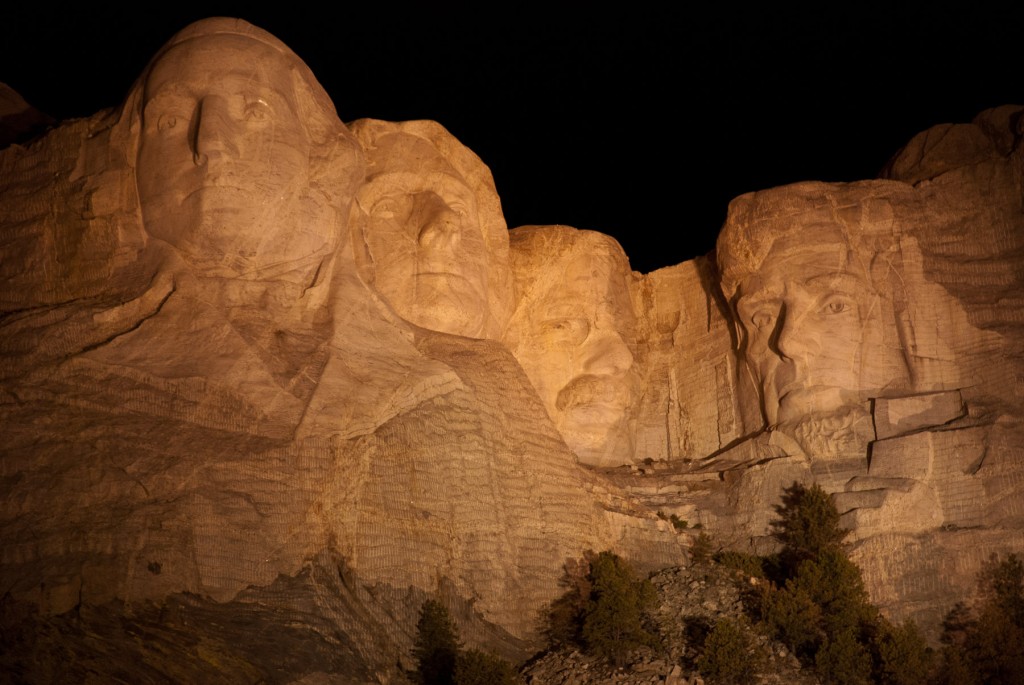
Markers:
point(430, 237)
point(202, 395)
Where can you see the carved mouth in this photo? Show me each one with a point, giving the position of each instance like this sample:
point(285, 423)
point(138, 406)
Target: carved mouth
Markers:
point(455, 284)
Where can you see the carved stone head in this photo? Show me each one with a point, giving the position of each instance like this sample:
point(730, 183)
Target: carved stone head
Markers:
point(813, 273)
point(573, 333)
point(431, 238)
point(242, 163)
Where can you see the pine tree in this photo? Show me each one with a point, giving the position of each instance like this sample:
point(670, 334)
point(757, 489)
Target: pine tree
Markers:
point(988, 649)
point(730, 655)
point(823, 611)
point(807, 526)
point(436, 646)
point(612, 624)
point(904, 657)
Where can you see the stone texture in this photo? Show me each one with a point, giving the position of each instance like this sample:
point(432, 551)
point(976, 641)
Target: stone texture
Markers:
point(897, 415)
point(19, 121)
point(574, 333)
point(430, 236)
point(258, 366)
point(202, 395)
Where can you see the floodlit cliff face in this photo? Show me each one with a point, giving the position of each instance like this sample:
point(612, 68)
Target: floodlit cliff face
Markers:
point(214, 387)
point(260, 368)
point(877, 326)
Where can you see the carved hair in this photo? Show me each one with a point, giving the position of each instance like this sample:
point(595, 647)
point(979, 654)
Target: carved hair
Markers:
point(329, 137)
point(864, 212)
point(536, 248)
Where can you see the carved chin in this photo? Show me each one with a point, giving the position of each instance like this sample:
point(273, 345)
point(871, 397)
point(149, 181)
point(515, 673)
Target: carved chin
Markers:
point(598, 436)
point(447, 303)
point(592, 419)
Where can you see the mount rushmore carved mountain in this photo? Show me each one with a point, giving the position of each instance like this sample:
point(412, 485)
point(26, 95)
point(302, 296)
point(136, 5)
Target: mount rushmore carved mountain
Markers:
point(268, 374)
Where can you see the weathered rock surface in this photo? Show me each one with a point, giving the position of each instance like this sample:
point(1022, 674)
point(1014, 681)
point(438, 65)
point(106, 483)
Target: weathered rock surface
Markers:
point(880, 322)
point(261, 368)
point(19, 121)
point(202, 397)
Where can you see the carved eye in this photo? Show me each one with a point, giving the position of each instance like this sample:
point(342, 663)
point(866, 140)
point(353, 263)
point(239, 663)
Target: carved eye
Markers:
point(167, 121)
point(836, 306)
point(257, 110)
point(386, 208)
point(571, 331)
point(763, 318)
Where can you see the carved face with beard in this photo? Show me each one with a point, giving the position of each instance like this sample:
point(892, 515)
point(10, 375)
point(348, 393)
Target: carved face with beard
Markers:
point(572, 333)
point(816, 317)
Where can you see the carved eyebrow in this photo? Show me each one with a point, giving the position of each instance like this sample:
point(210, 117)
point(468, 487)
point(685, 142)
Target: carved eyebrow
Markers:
point(842, 280)
point(171, 93)
point(746, 303)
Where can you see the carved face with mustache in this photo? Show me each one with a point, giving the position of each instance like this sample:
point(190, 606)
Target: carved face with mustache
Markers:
point(572, 334)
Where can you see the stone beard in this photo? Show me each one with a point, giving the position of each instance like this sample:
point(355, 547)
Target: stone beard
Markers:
point(818, 331)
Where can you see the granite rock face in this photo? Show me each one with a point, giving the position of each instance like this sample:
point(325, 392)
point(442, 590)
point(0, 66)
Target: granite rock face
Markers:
point(880, 324)
point(214, 388)
point(260, 367)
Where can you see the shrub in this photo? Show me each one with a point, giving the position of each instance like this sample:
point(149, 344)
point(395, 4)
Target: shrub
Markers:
point(474, 667)
point(730, 655)
point(701, 549)
point(750, 564)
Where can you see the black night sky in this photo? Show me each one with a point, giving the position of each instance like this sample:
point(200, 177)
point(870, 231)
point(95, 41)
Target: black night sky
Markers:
point(635, 120)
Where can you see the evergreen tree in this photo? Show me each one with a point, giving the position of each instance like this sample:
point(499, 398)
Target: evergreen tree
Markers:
point(843, 659)
point(990, 648)
point(823, 612)
point(436, 645)
point(612, 625)
point(730, 655)
point(903, 656)
point(701, 549)
point(808, 525)
point(563, 618)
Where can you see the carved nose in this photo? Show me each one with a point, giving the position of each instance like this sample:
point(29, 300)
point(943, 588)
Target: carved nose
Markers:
point(441, 231)
point(606, 354)
point(213, 137)
point(790, 341)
